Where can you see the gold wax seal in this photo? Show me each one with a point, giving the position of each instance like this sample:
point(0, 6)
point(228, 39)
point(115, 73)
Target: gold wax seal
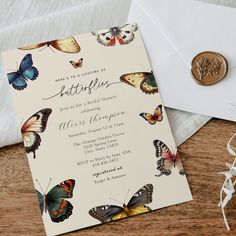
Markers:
point(209, 68)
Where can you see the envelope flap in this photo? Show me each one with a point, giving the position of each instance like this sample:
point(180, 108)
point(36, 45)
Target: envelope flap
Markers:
point(151, 35)
point(192, 27)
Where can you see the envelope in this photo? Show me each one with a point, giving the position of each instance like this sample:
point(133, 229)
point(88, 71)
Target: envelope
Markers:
point(174, 33)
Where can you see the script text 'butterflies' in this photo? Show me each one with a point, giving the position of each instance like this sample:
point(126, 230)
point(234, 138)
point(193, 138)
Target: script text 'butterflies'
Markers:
point(153, 119)
point(168, 160)
point(36, 124)
point(26, 72)
point(144, 80)
point(68, 45)
point(135, 206)
point(124, 35)
point(54, 203)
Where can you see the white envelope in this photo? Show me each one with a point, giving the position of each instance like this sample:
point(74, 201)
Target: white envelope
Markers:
point(176, 31)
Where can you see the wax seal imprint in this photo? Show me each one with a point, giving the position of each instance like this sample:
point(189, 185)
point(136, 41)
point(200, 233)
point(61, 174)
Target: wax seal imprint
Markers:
point(209, 68)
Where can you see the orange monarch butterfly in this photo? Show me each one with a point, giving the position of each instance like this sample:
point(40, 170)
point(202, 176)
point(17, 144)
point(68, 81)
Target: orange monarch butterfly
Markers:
point(153, 119)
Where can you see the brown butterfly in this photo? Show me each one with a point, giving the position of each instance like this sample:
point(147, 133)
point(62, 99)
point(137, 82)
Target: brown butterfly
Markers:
point(153, 119)
point(145, 80)
point(36, 124)
point(77, 64)
point(68, 45)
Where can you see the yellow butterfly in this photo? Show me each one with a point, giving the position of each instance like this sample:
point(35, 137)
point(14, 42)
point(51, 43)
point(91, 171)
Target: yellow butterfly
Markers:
point(145, 80)
point(135, 206)
point(68, 45)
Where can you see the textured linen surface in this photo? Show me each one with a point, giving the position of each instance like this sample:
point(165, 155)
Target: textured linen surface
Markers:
point(25, 22)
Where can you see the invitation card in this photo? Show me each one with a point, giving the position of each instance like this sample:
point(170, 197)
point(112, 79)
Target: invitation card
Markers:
point(95, 131)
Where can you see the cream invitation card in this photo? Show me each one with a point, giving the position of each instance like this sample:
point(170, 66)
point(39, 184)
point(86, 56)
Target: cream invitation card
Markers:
point(95, 131)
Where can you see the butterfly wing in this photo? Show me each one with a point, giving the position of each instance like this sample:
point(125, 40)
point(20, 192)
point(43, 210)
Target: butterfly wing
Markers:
point(39, 45)
point(62, 190)
point(80, 62)
point(17, 81)
point(26, 69)
point(149, 117)
point(31, 73)
point(165, 164)
point(106, 37)
point(139, 210)
point(133, 79)
point(77, 64)
point(68, 45)
point(37, 123)
point(125, 34)
point(12, 77)
point(162, 150)
point(158, 113)
point(141, 197)
point(149, 85)
point(60, 209)
point(137, 203)
point(74, 64)
point(107, 213)
point(129, 27)
point(26, 63)
point(31, 141)
point(40, 201)
point(152, 119)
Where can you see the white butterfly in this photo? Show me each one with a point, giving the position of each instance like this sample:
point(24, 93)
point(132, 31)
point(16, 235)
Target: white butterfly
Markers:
point(124, 35)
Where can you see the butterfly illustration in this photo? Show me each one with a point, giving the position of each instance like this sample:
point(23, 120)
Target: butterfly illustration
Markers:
point(135, 206)
point(68, 45)
point(26, 72)
point(145, 80)
point(77, 64)
point(54, 203)
point(124, 35)
point(153, 119)
point(36, 124)
point(168, 161)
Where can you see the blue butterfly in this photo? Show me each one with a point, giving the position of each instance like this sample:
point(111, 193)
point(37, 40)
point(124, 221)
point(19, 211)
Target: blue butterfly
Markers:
point(26, 71)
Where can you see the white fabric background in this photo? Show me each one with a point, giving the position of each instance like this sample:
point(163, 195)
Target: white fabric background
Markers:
point(25, 22)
